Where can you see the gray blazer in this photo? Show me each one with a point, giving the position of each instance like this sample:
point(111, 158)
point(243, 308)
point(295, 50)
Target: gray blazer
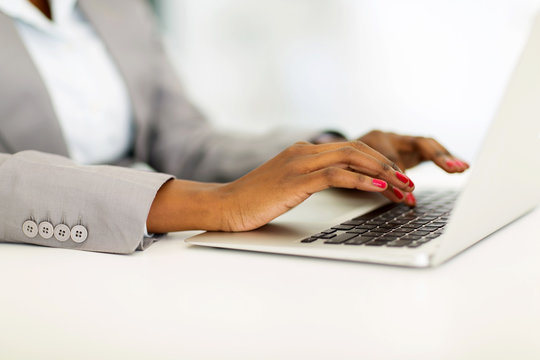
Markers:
point(110, 202)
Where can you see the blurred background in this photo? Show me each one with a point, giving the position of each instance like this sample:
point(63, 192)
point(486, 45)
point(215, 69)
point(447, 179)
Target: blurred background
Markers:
point(435, 68)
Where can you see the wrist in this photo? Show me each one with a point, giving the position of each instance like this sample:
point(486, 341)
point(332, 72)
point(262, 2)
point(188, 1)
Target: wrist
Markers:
point(186, 205)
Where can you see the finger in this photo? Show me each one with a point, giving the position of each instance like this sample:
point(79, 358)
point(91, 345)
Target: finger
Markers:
point(386, 147)
point(361, 146)
point(397, 196)
point(399, 174)
point(359, 157)
point(431, 149)
point(338, 177)
point(348, 157)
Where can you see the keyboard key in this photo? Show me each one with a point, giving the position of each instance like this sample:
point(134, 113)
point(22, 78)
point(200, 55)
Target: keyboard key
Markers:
point(387, 226)
point(411, 226)
point(388, 237)
point(411, 237)
point(380, 231)
point(376, 222)
point(419, 222)
point(399, 243)
point(343, 227)
point(358, 231)
point(359, 240)
point(340, 238)
point(329, 231)
point(401, 231)
point(376, 243)
point(398, 222)
point(310, 239)
point(366, 226)
point(429, 228)
point(420, 232)
point(354, 222)
point(324, 235)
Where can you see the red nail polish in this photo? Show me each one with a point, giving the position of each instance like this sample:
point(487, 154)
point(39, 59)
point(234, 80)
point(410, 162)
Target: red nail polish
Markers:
point(411, 200)
point(411, 184)
point(402, 177)
point(379, 183)
point(398, 193)
point(451, 163)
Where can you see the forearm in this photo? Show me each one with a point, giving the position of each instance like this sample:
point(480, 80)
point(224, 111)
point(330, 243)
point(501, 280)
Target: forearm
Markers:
point(186, 205)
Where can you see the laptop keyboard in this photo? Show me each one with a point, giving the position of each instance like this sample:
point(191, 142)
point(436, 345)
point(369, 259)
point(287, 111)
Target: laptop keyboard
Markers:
point(394, 225)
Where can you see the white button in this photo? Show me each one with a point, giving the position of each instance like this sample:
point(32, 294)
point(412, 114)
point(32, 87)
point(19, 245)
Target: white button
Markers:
point(62, 232)
point(30, 229)
point(46, 229)
point(79, 233)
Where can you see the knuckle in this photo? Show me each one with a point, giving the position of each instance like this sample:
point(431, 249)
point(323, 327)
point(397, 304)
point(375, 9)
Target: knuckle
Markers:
point(348, 151)
point(294, 149)
point(361, 178)
point(330, 173)
point(360, 145)
point(376, 133)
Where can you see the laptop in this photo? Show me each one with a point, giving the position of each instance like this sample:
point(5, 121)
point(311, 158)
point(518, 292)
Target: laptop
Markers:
point(503, 184)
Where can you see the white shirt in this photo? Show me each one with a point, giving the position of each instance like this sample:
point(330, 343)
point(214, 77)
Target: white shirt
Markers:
point(87, 92)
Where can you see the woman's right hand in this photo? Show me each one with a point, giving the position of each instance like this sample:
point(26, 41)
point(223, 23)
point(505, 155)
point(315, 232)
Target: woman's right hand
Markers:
point(274, 188)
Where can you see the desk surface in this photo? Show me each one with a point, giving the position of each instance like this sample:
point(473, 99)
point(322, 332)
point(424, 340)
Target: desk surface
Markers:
point(174, 301)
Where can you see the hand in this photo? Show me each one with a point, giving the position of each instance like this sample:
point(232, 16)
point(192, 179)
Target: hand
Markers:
point(408, 151)
point(274, 188)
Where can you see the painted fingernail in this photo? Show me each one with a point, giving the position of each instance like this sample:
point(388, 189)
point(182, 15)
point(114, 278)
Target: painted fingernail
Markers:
point(411, 184)
point(380, 183)
point(451, 163)
point(398, 193)
point(402, 177)
point(411, 200)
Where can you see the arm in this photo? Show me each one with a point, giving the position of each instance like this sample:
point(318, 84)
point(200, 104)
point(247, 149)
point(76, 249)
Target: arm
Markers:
point(291, 177)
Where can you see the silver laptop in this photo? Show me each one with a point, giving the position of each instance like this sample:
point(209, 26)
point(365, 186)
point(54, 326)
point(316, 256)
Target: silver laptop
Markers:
point(503, 185)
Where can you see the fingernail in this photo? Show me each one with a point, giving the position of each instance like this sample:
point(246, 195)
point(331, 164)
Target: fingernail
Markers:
point(380, 183)
point(402, 177)
point(398, 193)
point(451, 163)
point(411, 184)
point(411, 200)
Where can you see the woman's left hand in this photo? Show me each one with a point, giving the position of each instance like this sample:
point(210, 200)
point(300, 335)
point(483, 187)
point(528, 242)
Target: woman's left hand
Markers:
point(408, 151)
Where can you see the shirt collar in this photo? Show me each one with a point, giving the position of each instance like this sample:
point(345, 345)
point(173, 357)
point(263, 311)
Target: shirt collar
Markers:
point(24, 11)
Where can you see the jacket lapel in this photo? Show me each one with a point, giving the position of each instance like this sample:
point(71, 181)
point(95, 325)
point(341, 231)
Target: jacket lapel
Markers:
point(28, 120)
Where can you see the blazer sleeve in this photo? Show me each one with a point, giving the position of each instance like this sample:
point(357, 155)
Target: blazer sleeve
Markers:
point(105, 206)
point(184, 143)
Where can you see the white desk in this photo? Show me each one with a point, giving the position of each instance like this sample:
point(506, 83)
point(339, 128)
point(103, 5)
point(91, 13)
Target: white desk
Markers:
point(179, 302)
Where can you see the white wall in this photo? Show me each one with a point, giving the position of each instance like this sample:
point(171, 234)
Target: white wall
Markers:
point(428, 67)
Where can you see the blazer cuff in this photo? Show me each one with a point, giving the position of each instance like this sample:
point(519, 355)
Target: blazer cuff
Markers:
point(106, 205)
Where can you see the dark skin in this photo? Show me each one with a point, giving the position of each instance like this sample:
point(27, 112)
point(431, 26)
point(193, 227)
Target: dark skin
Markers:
point(375, 162)
point(43, 6)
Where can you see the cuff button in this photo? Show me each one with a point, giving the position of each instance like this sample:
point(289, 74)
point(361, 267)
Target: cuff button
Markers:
point(79, 233)
point(62, 232)
point(30, 229)
point(45, 229)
